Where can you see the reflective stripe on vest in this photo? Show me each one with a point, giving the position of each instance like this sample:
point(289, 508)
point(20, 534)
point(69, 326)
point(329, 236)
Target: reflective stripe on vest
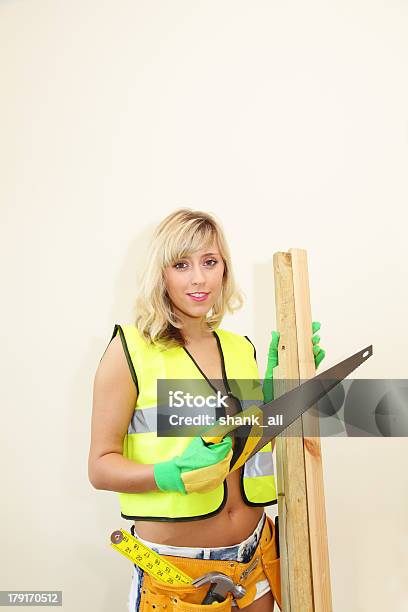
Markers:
point(149, 363)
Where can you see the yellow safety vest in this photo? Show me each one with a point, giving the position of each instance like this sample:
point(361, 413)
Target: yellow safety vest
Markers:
point(147, 364)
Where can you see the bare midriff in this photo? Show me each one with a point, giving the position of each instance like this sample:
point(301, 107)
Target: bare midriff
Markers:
point(233, 524)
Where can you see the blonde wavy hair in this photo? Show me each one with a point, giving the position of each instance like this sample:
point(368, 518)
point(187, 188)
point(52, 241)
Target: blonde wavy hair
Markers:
point(179, 235)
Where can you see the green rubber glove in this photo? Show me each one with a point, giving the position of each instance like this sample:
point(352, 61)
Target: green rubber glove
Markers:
point(318, 354)
point(199, 469)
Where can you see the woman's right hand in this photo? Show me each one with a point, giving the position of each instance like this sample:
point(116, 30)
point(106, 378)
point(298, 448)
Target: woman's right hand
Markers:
point(202, 467)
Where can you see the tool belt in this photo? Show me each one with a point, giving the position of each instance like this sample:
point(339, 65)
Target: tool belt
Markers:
point(265, 564)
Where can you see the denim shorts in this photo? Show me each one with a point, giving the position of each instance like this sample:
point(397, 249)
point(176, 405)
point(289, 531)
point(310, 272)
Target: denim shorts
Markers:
point(238, 552)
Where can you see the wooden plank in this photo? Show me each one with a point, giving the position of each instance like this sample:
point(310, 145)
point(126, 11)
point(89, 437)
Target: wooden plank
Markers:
point(312, 450)
point(296, 575)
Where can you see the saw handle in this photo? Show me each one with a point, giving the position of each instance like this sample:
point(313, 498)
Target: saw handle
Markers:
point(212, 439)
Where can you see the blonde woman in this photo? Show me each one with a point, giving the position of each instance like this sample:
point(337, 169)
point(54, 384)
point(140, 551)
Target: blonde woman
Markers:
point(178, 492)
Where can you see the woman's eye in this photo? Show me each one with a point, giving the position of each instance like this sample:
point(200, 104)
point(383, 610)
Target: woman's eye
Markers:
point(181, 263)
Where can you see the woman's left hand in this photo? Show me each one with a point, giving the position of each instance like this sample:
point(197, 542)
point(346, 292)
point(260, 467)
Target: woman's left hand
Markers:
point(318, 353)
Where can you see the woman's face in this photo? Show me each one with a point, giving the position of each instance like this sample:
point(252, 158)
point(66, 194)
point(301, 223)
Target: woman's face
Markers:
point(201, 272)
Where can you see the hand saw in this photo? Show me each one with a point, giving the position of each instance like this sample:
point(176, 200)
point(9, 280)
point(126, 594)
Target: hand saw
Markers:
point(291, 405)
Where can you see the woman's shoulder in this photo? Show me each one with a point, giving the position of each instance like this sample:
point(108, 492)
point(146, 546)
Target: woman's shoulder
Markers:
point(129, 334)
point(134, 338)
point(125, 329)
point(234, 336)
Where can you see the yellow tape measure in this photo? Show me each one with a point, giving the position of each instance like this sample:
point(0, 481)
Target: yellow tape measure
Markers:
point(146, 558)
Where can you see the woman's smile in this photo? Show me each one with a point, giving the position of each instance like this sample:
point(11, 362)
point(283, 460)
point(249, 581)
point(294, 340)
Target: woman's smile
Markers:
point(198, 297)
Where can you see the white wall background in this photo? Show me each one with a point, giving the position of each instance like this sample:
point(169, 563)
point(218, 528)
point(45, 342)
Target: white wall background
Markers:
point(289, 122)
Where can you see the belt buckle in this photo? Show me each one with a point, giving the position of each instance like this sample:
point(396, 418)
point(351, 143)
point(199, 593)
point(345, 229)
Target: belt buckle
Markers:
point(249, 569)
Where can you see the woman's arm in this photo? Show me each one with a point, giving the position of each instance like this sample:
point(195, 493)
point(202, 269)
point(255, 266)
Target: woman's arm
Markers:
point(114, 399)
